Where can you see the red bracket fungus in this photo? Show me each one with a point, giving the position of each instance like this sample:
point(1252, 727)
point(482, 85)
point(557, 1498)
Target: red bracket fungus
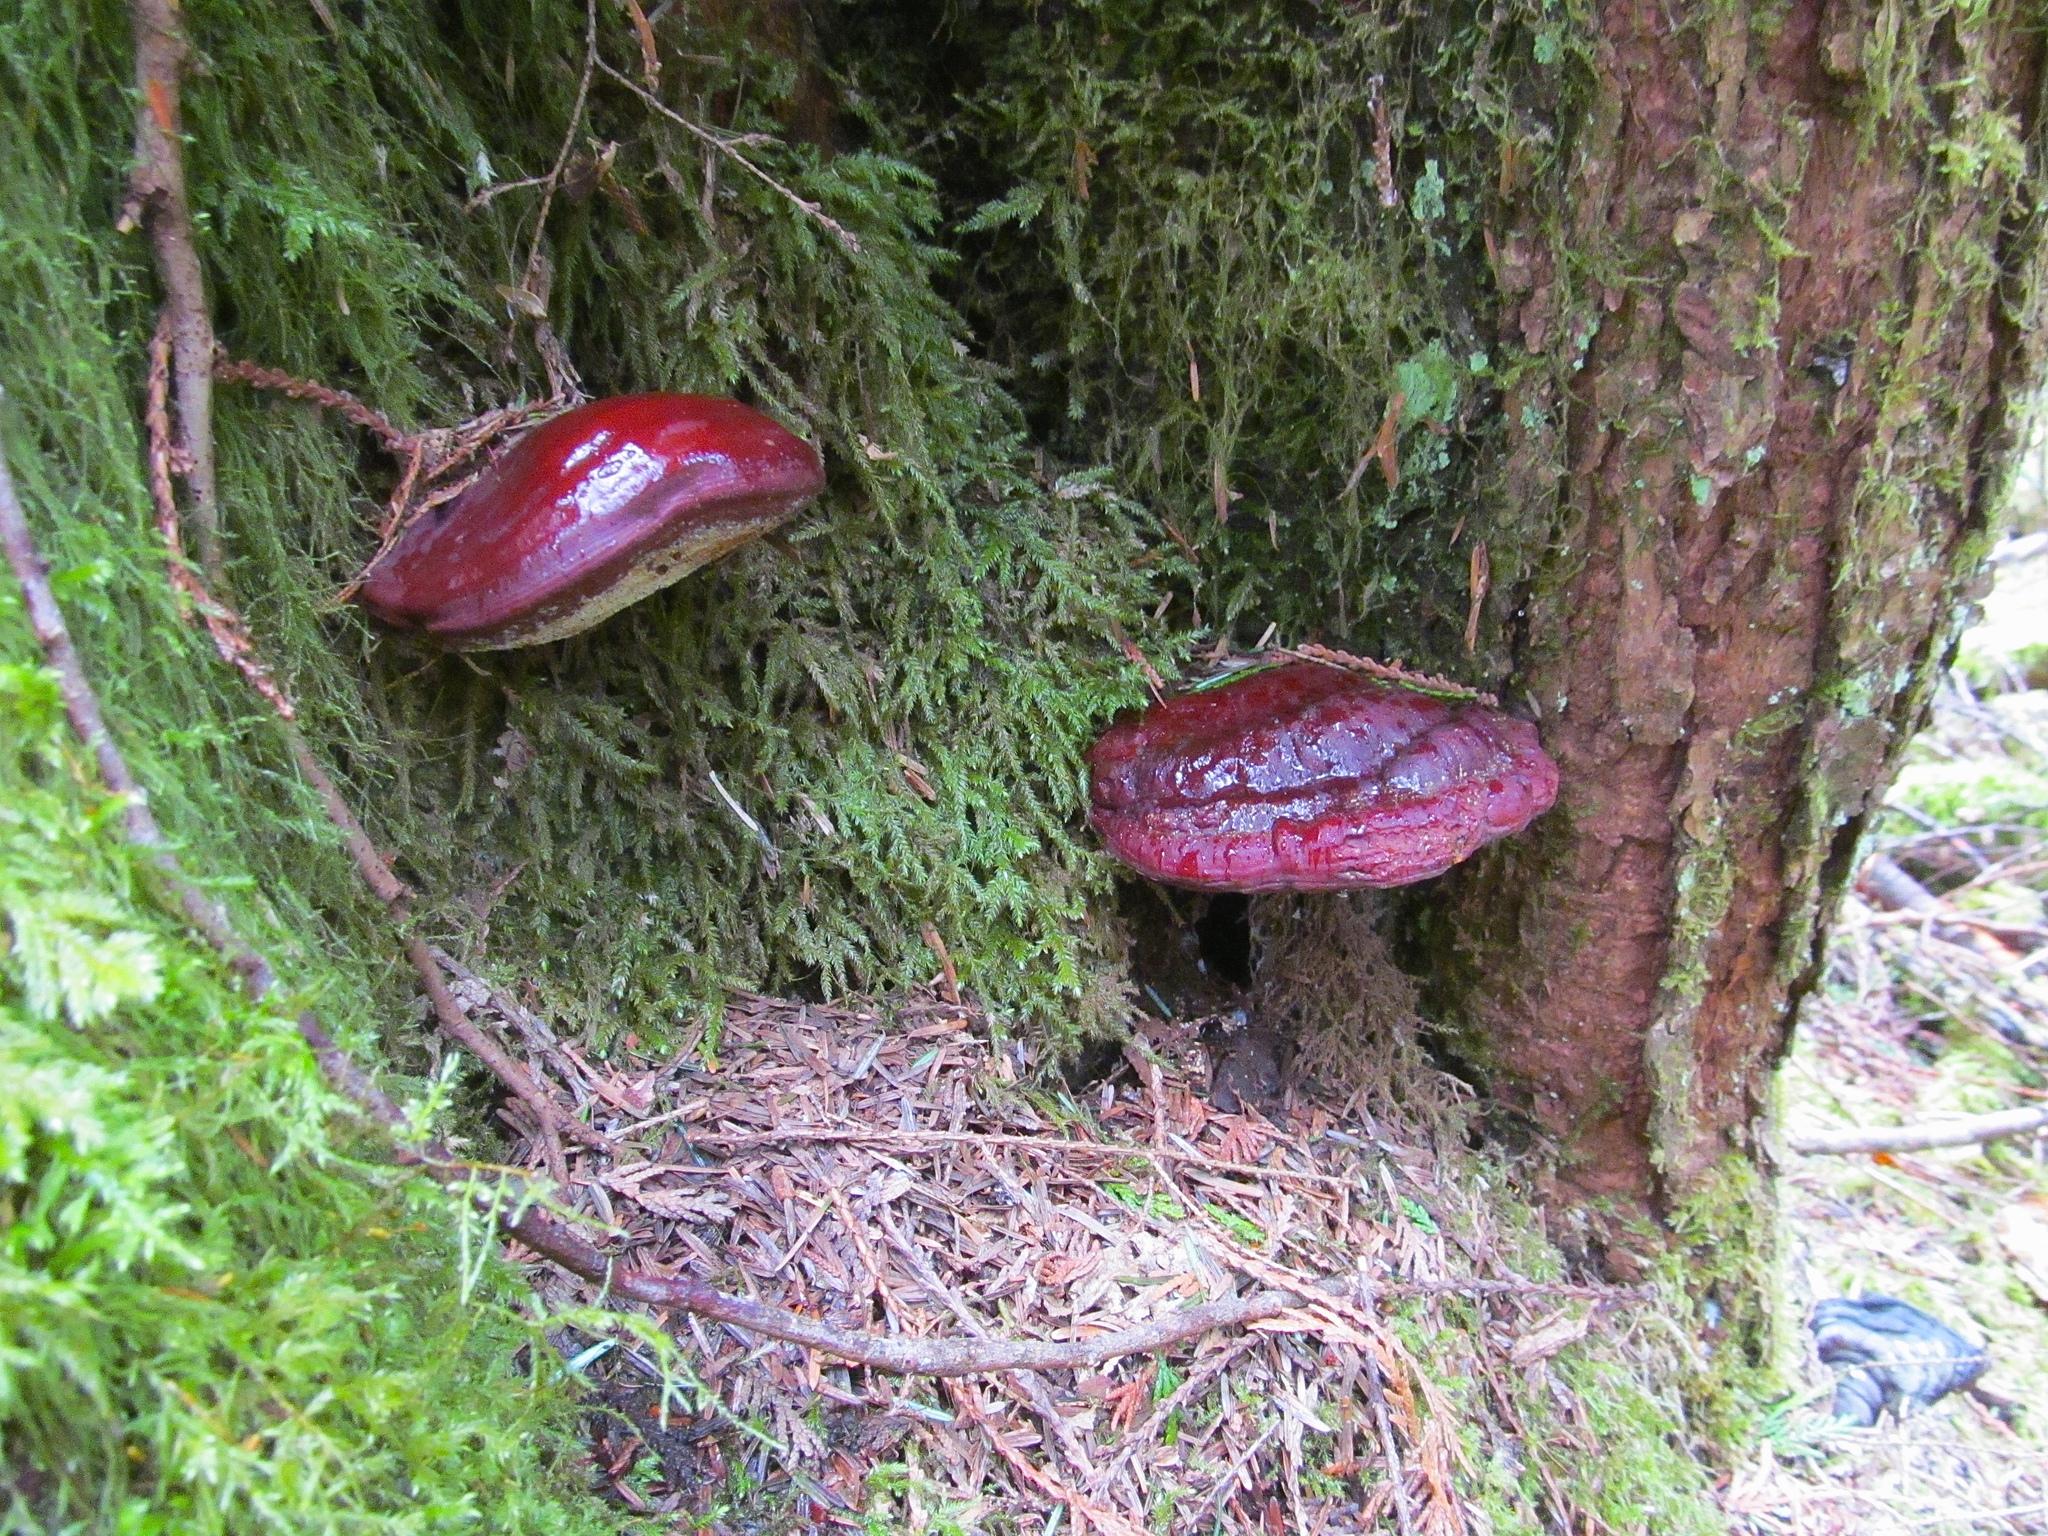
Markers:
point(1309, 777)
point(590, 512)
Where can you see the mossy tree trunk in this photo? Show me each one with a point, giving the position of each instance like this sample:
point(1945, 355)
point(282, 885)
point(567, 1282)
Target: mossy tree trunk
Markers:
point(1776, 339)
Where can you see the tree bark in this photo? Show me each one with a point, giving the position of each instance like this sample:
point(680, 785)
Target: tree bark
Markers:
point(1774, 338)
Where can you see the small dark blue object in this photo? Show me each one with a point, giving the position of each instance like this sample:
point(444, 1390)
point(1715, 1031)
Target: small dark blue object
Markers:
point(1899, 1356)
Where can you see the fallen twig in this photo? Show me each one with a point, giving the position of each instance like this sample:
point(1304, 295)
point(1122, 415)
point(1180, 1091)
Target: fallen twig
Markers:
point(530, 297)
point(240, 371)
point(82, 708)
point(899, 1354)
point(1956, 919)
point(184, 345)
point(1890, 887)
point(866, 1137)
point(1927, 1134)
point(229, 634)
point(1397, 1483)
point(949, 977)
point(540, 1039)
point(231, 638)
point(840, 232)
point(156, 200)
point(553, 179)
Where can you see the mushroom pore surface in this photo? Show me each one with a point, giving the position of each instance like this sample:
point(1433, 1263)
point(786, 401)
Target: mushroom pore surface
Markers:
point(589, 512)
point(1308, 777)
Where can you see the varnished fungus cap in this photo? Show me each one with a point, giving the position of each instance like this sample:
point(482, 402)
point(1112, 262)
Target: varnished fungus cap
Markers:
point(590, 512)
point(1308, 777)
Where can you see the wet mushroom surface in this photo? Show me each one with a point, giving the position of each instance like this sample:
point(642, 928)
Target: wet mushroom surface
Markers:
point(1312, 777)
point(588, 513)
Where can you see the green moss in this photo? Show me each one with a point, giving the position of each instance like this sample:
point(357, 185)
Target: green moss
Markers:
point(1189, 262)
point(216, 1319)
point(1993, 790)
point(1718, 1280)
point(947, 600)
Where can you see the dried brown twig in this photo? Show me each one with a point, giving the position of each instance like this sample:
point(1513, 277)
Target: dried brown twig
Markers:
point(429, 457)
point(230, 635)
point(238, 371)
point(156, 200)
point(1386, 671)
point(184, 352)
point(563, 382)
point(206, 916)
point(553, 179)
point(730, 150)
point(232, 639)
point(1397, 1481)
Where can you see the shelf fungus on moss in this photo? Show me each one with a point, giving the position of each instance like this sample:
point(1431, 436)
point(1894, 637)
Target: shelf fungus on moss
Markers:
point(1311, 777)
point(590, 512)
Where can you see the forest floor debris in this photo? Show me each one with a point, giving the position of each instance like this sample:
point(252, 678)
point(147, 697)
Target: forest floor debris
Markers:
point(1926, 1017)
point(895, 1168)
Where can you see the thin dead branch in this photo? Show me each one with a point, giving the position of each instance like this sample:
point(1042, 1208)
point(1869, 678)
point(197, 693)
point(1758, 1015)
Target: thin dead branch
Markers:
point(229, 370)
point(157, 201)
point(1920, 1137)
point(949, 977)
point(726, 147)
point(1892, 888)
point(88, 723)
point(1397, 1483)
point(553, 179)
point(224, 626)
point(231, 638)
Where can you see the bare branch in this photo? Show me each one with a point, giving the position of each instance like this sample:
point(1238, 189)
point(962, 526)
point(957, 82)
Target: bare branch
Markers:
point(897, 1353)
point(157, 200)
point(88, 722)
point(553, 179)
point(724, 146)
point(230, 635)
point(238, 371)
point(1919, 1138)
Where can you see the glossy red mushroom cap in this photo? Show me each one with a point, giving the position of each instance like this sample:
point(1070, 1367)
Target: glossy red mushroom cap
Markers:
point(1307, 777)
point(589, 512)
